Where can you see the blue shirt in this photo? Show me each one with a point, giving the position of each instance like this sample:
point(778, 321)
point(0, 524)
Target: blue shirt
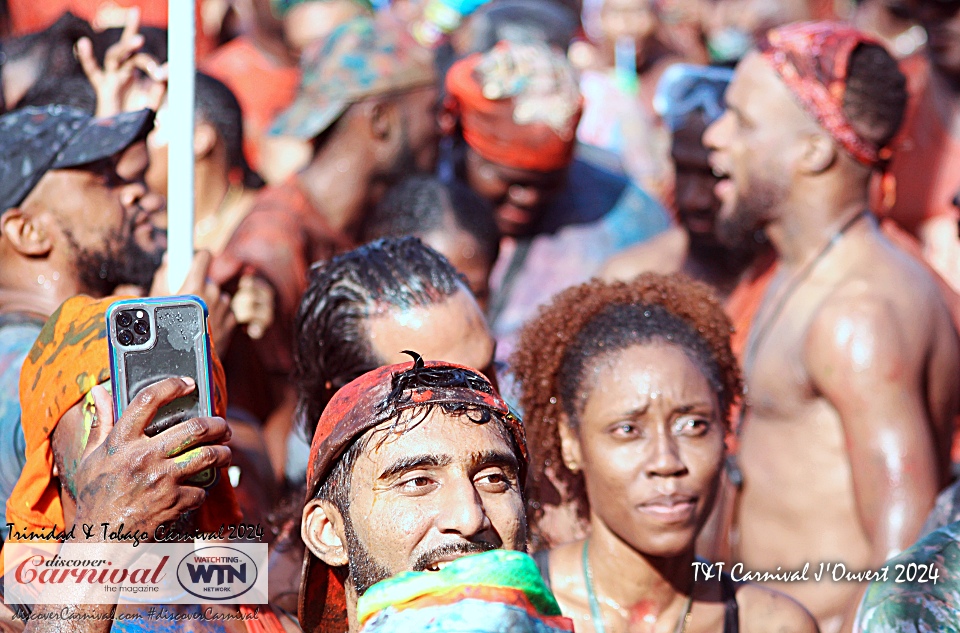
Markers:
point(17, 335)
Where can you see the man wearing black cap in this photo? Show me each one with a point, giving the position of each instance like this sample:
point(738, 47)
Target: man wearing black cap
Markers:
point(75, 217)
point(412, 466)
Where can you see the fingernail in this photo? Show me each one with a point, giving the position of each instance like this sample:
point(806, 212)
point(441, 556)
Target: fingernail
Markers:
point(188, 381)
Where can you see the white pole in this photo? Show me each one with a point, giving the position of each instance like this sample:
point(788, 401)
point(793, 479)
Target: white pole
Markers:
point(180, 157)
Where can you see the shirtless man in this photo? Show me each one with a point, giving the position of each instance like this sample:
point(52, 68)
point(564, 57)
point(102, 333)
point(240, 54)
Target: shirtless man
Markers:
point(852, 362)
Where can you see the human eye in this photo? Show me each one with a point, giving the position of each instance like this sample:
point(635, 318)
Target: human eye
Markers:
point(494, 481)
point(625, 430)
point(416, 484)
point(692, 426)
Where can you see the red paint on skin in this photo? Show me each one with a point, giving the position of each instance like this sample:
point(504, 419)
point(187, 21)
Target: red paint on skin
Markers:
point(642, 613)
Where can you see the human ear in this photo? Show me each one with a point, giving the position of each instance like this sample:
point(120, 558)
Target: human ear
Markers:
point(25, 233)
point(204, 140)
point(570, 449)
point(322, 532)
point(819, 153)
point(383, 120)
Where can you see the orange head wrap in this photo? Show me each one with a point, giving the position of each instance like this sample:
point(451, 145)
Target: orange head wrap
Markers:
point(518, 105)
point(69, 358)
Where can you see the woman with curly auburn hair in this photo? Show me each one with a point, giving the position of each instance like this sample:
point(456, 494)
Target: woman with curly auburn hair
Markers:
point(627, 390)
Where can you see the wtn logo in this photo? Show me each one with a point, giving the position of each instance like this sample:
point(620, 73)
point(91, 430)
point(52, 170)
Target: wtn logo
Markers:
point(225, 573)
point(217, 573)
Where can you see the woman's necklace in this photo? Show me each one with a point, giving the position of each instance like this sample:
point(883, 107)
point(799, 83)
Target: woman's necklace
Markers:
point(597, 616)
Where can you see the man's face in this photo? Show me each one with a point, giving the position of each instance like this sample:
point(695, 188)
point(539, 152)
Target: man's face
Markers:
point(519, 196)
point(751, 147)
point(941, 20)
point(429, 494)
point(421, 130)
point(113, 225)
point(466, 255)
point(695, 200)
point(453, 330)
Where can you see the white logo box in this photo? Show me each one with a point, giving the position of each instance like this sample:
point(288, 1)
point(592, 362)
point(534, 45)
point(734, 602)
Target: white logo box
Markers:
point(151, 573)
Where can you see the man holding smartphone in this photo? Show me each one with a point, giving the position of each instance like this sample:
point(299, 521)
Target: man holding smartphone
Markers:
point(85, 468)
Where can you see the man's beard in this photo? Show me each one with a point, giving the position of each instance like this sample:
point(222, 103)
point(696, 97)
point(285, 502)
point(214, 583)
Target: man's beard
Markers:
point(737, 230)
point(123, 262)
point(365, 571)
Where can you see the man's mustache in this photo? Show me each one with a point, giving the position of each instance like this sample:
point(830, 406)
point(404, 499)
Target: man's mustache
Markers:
point(460, 548)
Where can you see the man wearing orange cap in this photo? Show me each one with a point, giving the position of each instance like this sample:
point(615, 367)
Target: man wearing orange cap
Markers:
point(84, 468)
point(852, 361)
point(513, 113)
point(412, 466)
point(59, 404)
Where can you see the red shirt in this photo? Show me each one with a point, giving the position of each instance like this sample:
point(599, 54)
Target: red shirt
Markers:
point(29, 16)
point(278, 241)
point(926, 159)
point(263, 88)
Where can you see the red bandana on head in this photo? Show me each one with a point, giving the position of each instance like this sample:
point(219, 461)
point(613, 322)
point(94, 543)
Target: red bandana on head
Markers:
point(813, 58)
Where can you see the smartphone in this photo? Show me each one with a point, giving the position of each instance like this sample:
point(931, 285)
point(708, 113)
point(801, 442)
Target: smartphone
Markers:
point(155, 338)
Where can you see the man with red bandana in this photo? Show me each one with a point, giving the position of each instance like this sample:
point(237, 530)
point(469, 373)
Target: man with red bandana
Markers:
point(412, 466)
point(852, 360)
point(513, 113)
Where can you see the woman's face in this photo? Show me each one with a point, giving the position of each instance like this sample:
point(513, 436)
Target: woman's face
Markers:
point(650, 445)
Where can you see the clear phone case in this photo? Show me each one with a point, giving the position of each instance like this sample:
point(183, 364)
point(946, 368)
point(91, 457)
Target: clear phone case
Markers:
point(155, 338)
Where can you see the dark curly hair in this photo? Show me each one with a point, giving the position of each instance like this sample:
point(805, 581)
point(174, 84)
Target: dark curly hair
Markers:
point(594, 319)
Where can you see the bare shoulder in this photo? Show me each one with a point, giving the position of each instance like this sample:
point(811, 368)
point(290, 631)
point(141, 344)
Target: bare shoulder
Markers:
point(664, 254)
point(853, 316)
point(764, 610)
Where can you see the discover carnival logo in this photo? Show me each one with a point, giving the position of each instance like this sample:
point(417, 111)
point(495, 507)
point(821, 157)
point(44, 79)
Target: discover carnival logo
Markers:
point(217, 573)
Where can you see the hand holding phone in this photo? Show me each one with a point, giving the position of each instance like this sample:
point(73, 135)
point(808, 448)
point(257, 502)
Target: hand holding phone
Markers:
point(156, 338)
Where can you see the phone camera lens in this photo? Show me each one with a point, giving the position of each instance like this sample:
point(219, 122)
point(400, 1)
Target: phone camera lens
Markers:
point(124, 319)
point(125, 337)
point(141, 327)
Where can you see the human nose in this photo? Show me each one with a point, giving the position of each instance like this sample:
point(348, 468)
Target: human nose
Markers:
point(713, 135)
point(524, 197)
point(139, 196)
point(664, 460)
point(462, 511)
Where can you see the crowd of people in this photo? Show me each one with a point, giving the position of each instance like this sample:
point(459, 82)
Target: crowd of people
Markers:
point(525, 315)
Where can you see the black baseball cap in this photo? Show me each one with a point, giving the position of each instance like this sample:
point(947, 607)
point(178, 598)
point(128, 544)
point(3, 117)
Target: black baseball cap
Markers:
point(35, 140)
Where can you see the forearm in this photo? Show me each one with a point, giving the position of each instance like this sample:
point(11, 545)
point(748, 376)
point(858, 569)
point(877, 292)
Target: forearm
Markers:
point(72, 614)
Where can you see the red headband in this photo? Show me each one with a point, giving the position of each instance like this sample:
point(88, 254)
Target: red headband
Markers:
point(489, 127)
point(813, 58)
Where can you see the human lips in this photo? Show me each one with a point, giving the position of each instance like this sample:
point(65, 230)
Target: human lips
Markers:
point(438, 565)
point(672, 508)
point(724, 185)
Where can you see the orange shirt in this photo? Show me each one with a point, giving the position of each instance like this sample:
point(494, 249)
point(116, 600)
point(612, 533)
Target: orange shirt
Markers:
point(263, 88)
point(926, 159)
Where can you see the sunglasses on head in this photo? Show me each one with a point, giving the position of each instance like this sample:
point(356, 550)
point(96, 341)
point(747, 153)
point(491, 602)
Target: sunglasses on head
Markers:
point(685, 89)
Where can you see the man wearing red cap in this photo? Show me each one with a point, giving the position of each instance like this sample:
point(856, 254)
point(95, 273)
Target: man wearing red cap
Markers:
point(412, 466)
point(852, 360)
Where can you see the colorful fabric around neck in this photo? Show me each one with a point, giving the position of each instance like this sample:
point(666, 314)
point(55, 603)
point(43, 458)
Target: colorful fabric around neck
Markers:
point(494, 591)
